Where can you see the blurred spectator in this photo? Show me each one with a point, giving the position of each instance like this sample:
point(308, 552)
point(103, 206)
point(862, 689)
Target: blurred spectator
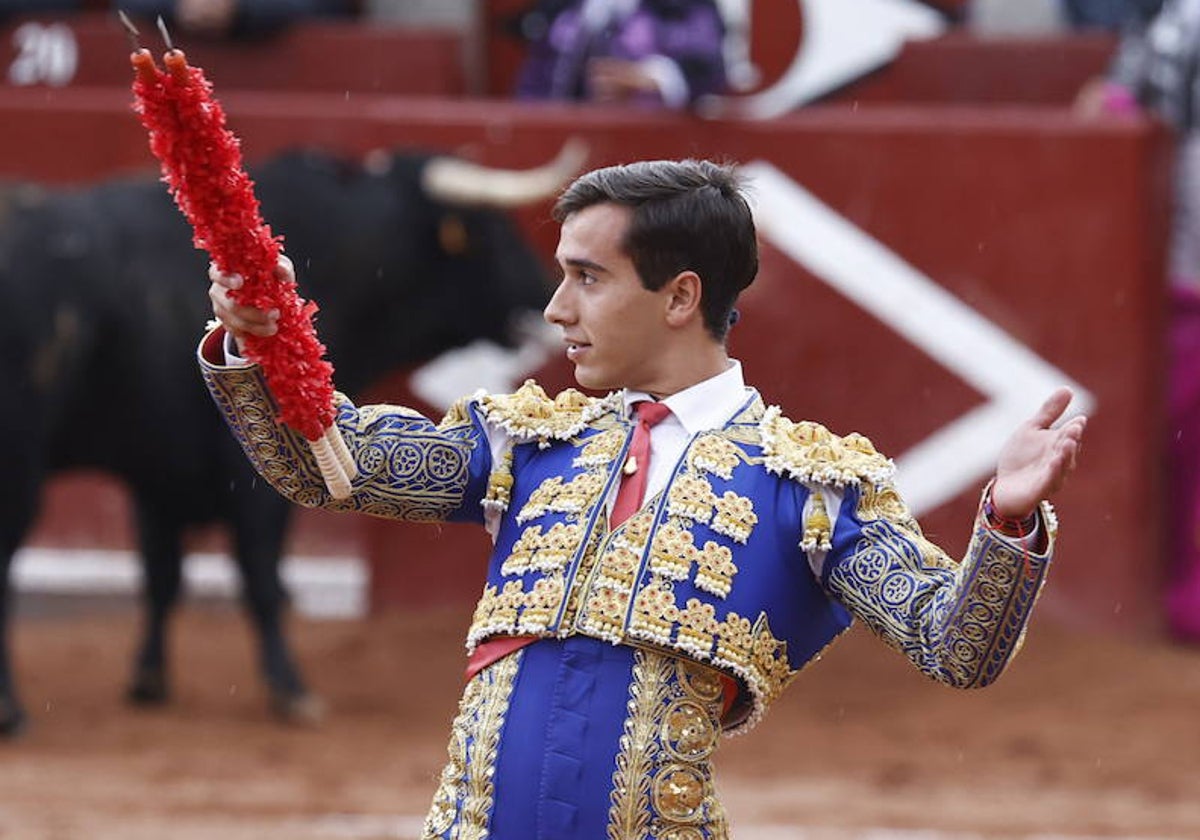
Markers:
point(1112, 15)
point(235, 18)
point(442, 14)
point(1156, 69)
point(649, 52)
point(1022, 18)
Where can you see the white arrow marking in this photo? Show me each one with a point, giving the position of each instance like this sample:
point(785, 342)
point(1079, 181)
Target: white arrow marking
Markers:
point(1014, 379)
point(843, 39)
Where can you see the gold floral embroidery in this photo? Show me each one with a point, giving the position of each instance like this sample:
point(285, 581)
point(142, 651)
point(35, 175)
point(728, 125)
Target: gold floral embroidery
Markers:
point(529, 414)
point(735, 641)
point(541, 604)
point(679, 793)
point(691, 497)
point(809, 452)
point(618, 566)
point(688, 732)
point(654, 613)
point(662, 786)
point(552, 495)
point(735, 517)
point(697, 628)
point(715, 454)
point(604, 612)
point(716, 570)
point(514, 610)
point(463, 803)
point(672, 553)
point(549, 552)
point(601, 449)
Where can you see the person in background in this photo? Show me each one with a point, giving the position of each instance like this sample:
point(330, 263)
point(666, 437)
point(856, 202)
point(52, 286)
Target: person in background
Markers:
point(654, 53)
point(668, 557)
point(1156, 68)
point(1111, 15)
point(236, 18)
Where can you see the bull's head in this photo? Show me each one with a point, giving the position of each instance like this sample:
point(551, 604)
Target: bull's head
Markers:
point(410, 255)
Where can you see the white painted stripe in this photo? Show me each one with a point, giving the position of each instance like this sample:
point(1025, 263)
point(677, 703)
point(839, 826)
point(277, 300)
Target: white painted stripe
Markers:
point(320, 587)
point(1013, 378)
point(842, 40)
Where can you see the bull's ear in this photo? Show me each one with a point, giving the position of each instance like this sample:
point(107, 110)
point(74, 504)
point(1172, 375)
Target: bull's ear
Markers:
point(452, 235)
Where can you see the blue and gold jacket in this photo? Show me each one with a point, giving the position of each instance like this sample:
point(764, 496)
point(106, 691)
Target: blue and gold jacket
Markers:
point(769, 538)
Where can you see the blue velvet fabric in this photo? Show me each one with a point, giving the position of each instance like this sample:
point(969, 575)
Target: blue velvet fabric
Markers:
point(558, 750)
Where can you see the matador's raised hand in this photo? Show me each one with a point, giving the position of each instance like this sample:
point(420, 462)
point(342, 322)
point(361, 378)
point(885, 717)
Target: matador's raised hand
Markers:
point(1037, 458)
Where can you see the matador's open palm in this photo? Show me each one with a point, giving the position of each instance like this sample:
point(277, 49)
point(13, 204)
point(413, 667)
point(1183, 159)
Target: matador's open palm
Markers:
point(1037, 458)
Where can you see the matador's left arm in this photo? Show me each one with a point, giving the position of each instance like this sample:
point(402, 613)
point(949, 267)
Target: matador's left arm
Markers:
point(959, 623)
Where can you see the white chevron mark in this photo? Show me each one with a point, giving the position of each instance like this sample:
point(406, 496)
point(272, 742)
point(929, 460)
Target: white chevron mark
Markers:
point(842, 40)
point(1013, 378)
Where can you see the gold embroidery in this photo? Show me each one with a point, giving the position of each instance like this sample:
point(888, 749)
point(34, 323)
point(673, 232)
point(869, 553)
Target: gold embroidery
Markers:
point(689, 733)
point(697, 627)
point(679, 793)
point(604, 612)
point(716, 570)
point(662, 786)
point(769, 662)
point(474, 739)
point(500, 482)
point(529, 414)
point(513, 610)
point(703, 683)
point(601, 449)
point(618, 566)
point(552, 495)
point(691, 497)
point(654, 613)
point(541, 604)
point(715, 454)
point(817, 528)
point(549, 552)
point(735, 641)
point(672, 553)
point(808, 451)
point(735, 517)
point(409, 468)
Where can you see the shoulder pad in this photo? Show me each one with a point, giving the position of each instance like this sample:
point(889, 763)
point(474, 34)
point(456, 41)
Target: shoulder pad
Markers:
point(809, 452)
point(529, 414)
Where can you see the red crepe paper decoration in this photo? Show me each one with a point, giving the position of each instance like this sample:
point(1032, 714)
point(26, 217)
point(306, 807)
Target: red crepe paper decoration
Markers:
point(202, 166)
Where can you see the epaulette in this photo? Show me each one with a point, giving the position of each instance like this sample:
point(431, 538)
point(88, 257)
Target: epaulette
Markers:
point(810, 453)
point(529, 414)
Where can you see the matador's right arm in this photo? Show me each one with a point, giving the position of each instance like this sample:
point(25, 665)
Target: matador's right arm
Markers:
point(409, 467)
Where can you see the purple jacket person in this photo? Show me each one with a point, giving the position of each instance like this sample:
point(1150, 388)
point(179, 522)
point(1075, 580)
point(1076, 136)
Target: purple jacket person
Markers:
point(649, 52)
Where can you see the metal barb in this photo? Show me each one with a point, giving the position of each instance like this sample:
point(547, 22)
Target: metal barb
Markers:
point(130, 30)
point(166, 36)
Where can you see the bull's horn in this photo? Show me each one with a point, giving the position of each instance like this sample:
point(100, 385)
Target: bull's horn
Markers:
point(456, 181)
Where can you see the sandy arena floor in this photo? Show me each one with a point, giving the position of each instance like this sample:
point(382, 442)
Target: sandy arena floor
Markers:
point(1083, 737)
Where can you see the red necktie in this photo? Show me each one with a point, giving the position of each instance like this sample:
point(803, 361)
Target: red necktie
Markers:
point(637, 464)
point(629, 499)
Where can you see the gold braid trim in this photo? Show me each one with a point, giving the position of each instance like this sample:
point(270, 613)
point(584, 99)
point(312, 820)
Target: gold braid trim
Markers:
point(530, 414)
point(662, 783)
point(810, 453)
point(462, 805)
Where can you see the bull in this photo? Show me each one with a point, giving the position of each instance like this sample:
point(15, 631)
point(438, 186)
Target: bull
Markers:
point(102, 297)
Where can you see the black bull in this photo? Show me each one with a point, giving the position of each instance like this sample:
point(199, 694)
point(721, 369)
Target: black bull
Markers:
point(102, 301)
